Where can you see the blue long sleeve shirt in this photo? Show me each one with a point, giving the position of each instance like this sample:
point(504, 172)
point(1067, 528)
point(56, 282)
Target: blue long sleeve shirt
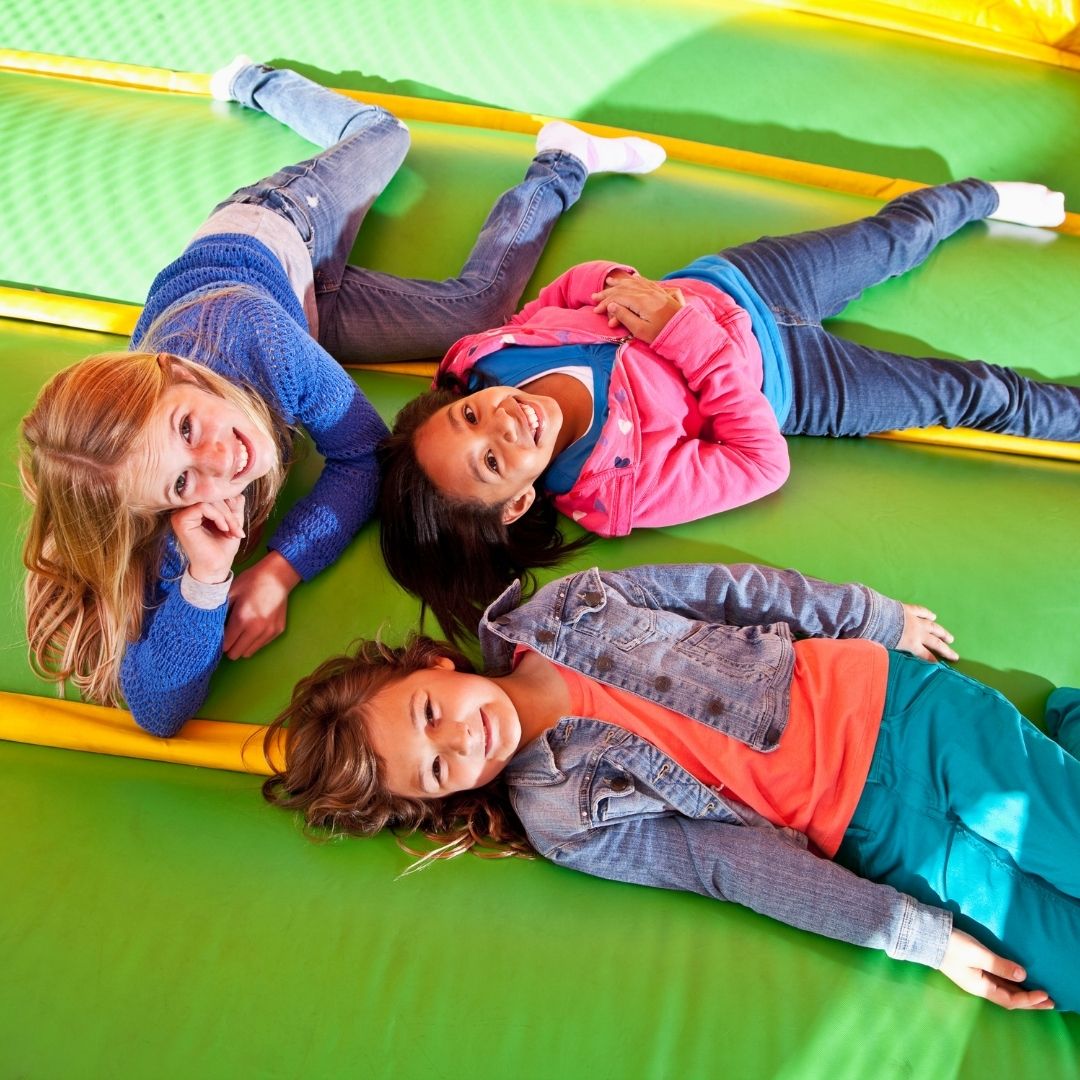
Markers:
point(227, 303)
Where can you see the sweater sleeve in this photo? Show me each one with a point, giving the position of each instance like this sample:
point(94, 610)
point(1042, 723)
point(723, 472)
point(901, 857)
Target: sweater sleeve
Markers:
point(345, 429)
point(164, 675)
point(759, 869)
point(741, 455)
point(573, 289)
point(746, 594)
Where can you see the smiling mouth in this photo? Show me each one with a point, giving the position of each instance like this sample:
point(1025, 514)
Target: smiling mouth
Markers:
point(533, 419)
point(487, 734)
point(243, 457)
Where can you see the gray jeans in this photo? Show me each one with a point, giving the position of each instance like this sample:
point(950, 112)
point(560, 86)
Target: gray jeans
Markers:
point(364, 315)
point(841, 388)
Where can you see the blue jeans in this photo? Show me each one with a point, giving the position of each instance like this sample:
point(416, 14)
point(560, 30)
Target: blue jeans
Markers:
point(841, 388)
point(971, 808)
point(365, 315)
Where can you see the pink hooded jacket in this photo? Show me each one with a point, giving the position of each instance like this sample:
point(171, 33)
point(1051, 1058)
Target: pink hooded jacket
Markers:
point(689, 432)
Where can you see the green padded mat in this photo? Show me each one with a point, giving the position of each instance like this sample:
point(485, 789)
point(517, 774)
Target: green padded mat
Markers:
point(729, 72)
point(159, 920)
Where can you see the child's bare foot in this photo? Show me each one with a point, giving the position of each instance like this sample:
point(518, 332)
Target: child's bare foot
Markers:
point(628, 154)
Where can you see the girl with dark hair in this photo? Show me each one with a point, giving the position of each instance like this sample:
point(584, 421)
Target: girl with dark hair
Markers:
point(625, 402)
point(741, 732)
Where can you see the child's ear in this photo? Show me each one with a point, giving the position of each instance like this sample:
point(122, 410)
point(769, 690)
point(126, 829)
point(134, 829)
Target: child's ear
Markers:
point(518, 505)
point(443, 662)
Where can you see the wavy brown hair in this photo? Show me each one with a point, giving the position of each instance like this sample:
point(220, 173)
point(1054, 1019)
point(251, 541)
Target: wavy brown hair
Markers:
point(454, 554)
point(334, 778)
point(90, 556)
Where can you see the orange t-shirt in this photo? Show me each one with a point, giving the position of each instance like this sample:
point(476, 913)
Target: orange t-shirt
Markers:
point(813, 779)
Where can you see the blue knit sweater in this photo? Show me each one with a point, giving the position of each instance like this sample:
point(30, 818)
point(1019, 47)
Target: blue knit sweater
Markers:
point(255, 335)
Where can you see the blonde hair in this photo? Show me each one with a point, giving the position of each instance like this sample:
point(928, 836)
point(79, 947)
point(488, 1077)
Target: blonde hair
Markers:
point(333, 776)
point(89, 554)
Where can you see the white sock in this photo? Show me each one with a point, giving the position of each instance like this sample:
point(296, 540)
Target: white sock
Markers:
point(1028, 204)
point(222, 79)
point(629, 154)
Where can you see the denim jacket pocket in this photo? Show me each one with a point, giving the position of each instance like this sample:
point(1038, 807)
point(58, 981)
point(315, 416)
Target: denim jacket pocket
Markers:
point(617, 797)
point(596, 609)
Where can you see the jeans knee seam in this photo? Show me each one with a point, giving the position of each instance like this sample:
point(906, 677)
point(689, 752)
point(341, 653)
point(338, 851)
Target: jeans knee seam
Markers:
point(527, 218)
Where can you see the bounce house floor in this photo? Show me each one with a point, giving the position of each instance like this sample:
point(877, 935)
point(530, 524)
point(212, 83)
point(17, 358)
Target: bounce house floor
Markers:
point(159, 919)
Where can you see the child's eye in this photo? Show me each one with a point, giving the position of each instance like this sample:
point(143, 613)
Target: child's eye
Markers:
point(469, 414)
point(181, 484)
point(185, 429)
point(436, 769)
point(429, 713)
point(491, 462)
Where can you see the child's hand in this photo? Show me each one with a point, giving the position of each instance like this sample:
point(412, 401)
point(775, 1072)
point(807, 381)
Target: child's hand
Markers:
point(209, 534)
point(642, 306)
point(258, 601)
point(974, 968)
point(923, 637)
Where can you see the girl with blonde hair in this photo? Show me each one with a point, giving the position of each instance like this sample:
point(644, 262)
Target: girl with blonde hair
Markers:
point(150, 471)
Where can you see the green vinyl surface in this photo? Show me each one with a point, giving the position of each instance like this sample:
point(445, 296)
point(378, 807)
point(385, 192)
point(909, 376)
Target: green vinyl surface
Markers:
point(160, 920)
point(729, 72)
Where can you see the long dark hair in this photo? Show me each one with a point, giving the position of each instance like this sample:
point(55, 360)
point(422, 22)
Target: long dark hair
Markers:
point(456, 555)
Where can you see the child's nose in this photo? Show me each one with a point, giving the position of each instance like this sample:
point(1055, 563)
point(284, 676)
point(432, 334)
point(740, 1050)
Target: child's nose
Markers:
point(457, 738)
point(213, 458)
point(507, 418)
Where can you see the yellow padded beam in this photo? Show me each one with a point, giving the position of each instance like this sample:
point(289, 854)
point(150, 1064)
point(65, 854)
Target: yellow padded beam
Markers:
point(767, 166)
point(1041, 30)
point(74, 725)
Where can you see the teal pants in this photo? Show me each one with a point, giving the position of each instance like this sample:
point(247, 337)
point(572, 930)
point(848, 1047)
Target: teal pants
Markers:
point(970, 807)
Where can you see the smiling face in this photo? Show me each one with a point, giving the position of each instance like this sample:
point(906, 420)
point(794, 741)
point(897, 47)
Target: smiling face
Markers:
point(490, 447)
point(197, 447)
point(439, 731)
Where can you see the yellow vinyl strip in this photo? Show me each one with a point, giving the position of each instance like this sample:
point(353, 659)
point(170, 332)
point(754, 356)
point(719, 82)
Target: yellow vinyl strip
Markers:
point(59, 309)
point(767, 166)
point(971, 439)
point(75, 725)
point(1004, 28)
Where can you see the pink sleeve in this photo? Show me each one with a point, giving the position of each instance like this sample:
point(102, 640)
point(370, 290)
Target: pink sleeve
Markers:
point(572, 289)
point(746, 457)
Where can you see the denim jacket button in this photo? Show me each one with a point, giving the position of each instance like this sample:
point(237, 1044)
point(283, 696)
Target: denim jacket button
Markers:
point(621, 784)
point(715, 707)
point(604, 663)
point(592, 598)
point(662, 683)
point(545, 637)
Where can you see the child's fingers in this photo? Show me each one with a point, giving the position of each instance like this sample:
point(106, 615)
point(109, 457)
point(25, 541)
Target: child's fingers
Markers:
point(225, 518)
point(621, 315)
point(938, 640)
point(1001, 981)
point(1010, 996)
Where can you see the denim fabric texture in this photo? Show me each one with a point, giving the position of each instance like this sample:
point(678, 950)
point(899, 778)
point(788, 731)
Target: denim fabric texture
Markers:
point(971, 808)
point(842, 388)
point(369, 316)
point(230, 287)
point(596, 798)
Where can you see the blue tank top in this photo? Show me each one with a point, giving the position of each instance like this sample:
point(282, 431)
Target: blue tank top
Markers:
point(515, 365)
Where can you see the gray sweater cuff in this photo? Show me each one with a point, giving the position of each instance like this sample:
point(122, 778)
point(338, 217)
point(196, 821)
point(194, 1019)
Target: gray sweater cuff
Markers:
point(884, 622)
point(923, 935)
point(199, 594)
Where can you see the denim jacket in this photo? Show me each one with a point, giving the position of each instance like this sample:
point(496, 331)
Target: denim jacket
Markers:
point(713, 643)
